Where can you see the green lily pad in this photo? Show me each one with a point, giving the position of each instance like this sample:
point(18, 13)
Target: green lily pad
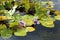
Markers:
point(12, 24)
point(6, 33)
point(57, 17)
point(17, 16)
point(28, 19)
point(2, 26)
point(47, 22)
point(20, 32)
point(30, 29)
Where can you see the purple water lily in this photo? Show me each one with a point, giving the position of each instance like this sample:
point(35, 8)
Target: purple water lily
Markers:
point(22, 23)
point(36, 21)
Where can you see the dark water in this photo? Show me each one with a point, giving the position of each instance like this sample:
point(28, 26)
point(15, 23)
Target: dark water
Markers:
point(57, 5)
point(43, 33)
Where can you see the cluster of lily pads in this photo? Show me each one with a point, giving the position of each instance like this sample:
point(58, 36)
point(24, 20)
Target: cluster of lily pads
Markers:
point(21, 25)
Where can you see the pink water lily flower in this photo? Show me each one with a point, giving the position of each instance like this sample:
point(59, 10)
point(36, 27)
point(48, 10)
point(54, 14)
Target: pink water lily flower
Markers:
point(22, 23)
point(36, 21)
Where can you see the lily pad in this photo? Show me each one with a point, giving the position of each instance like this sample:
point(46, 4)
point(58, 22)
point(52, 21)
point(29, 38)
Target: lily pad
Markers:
point(12, 24)
point(28, 19)
point(30, 29)
point(6, 33)
point(57, 17)
point(2, 26)
point(21, 32)
point(47, 22)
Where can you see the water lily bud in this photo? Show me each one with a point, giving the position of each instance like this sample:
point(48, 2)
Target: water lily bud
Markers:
point(22, 23)
point(36, 21)
point(48, 12)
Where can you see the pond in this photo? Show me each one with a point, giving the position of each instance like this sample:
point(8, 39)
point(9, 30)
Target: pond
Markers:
point(41, 32)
